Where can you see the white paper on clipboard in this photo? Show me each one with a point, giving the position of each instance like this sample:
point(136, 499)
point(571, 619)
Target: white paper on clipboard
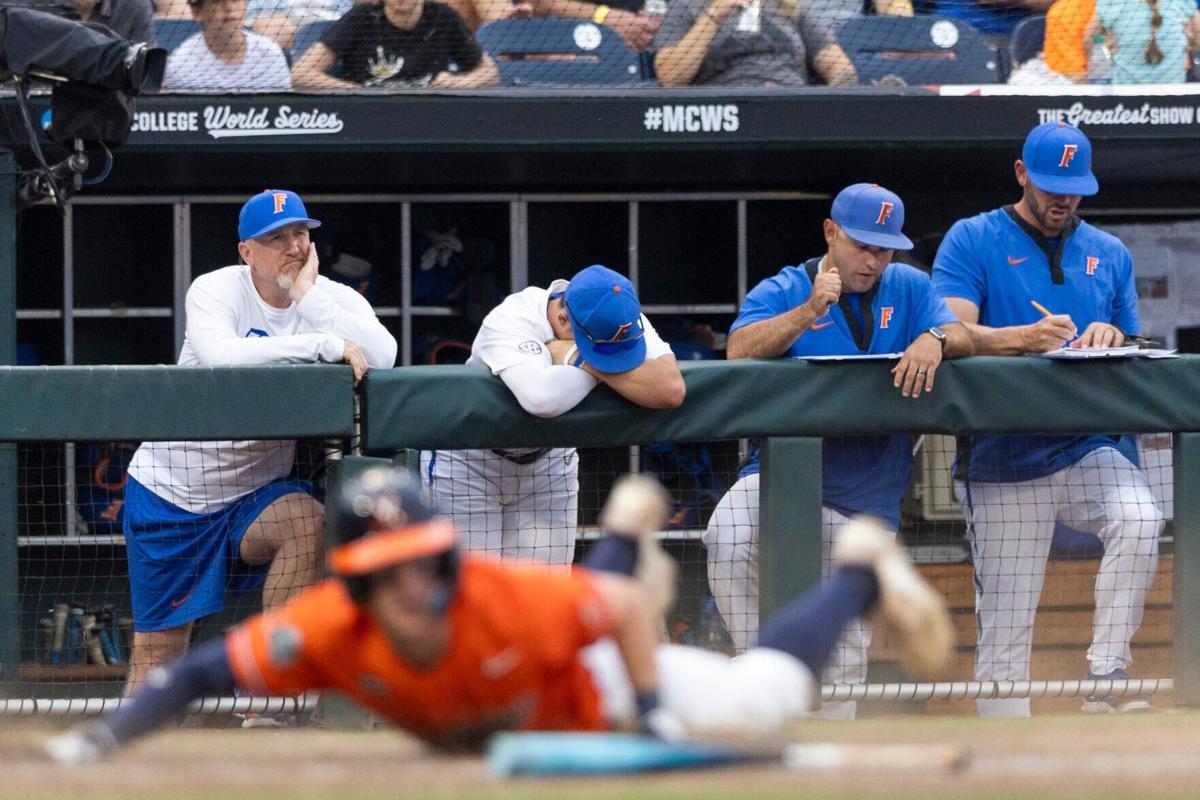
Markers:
point(1125, 351)
point(854, 357)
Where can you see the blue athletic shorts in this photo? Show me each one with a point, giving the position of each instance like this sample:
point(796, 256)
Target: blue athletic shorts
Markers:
point(180, 563)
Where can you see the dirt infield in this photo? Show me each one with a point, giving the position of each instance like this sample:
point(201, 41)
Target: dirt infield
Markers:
point(1155, 755)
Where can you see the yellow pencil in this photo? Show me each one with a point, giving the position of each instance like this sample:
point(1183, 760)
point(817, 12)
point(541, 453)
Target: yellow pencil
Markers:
point(1041, 308)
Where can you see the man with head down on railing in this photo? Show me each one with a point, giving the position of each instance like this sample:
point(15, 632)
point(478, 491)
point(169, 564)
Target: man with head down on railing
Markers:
point(551, 347)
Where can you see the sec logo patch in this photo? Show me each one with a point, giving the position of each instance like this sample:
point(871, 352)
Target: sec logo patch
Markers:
point(530, 347)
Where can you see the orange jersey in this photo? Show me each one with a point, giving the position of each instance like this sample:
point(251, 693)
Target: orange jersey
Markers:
point(511, 660)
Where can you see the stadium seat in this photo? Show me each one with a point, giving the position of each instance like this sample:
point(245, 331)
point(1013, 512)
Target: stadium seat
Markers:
point(170, 33)
point(1027, 39)
point(307, 35)
point(549, 51)
point(920, 50)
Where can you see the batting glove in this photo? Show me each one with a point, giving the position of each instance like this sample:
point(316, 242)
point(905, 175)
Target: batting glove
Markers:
point(657, 721)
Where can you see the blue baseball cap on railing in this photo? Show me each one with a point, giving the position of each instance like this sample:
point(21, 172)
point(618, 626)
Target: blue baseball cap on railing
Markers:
point(872, 215)
point(1058, 158)
point(606, 317)
point(271, 209)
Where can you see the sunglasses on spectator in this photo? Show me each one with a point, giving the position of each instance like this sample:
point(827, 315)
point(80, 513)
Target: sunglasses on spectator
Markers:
point(618, 343)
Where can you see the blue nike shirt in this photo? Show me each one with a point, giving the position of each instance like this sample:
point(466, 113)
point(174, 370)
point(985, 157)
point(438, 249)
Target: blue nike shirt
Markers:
point(861, 474)
point(991, 261)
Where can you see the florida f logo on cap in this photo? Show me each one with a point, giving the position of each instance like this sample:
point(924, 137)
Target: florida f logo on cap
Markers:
point(871, 215)
point(272, 209)
point(1058, 158)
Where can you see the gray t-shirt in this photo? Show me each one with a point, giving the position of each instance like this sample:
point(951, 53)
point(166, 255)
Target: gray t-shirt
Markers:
point(778, 53)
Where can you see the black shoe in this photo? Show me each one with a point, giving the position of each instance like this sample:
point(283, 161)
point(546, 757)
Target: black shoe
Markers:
point(144, 67)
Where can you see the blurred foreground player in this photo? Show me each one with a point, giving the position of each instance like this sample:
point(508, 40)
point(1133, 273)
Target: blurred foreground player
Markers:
point(454, 649)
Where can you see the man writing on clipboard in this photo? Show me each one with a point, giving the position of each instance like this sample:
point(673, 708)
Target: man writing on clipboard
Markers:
point(995, 270)
point(850, 301)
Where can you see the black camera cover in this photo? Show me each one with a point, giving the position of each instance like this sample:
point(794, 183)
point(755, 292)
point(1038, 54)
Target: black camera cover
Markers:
point(81, 111)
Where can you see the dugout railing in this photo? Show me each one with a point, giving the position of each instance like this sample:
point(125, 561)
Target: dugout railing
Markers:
point(60, 405)
point(791, 404)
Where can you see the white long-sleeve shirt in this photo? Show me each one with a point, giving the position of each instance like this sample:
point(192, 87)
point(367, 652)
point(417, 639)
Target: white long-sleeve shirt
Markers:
point(510, 343)
point(228, 323)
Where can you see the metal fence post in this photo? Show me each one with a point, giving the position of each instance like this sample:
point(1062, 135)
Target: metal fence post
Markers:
point(10, 604)
point(789, 539)
point(1187, 569)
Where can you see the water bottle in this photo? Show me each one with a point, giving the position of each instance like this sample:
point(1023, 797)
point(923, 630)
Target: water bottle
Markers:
point(1100, 61)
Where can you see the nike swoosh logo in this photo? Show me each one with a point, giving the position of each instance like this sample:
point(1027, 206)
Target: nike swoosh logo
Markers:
point(1012, 260)
point(817, 327)
point(180, 601)
point(504, 662)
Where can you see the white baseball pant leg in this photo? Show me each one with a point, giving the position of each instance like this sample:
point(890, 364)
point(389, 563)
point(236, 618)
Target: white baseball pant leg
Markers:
point(1110, 497)
point(1012, 527)
point(505, 510)
point(541, 513)
point(732, 543)
point(731, 539)
point(468, 485)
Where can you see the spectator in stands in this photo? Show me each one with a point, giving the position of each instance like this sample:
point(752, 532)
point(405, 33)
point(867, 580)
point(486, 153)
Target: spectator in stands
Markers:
point(835, 12)
point(1065, 47)
point(399, 43)
point(129, 19)
point(1150, 38)
point(279, 20)
point(480, 12)
point(223, 57)
point(171, 9)
point(740, 43)
point(635, 21)
point(995, 19)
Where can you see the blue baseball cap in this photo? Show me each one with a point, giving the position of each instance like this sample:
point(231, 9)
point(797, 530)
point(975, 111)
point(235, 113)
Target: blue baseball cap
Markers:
point(870, 214)
point(271, 209)
point(606, 317)
point(1058, 157)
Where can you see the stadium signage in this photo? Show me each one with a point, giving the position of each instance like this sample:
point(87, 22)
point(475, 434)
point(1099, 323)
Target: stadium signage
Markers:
point(166, 121)
point(708, 118)
point(223, 121)
point(1146, 114)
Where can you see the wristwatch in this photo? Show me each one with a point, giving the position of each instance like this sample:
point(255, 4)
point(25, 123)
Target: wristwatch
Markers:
point(938, 334)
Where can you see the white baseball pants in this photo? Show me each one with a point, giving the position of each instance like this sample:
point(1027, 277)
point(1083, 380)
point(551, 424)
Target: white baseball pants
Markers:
point(505, 510)
point(732, 542)
point(1011, 526)
point(753, 696)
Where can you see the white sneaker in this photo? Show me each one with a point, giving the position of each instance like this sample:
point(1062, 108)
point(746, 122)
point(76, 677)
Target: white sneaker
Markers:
point(907, 602)
point(255, 719)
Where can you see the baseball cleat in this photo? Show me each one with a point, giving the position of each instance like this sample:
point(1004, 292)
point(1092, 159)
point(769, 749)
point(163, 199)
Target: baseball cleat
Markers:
point(911, 607)
point(1094, 704)
point(637, 507)
point(254, 719)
